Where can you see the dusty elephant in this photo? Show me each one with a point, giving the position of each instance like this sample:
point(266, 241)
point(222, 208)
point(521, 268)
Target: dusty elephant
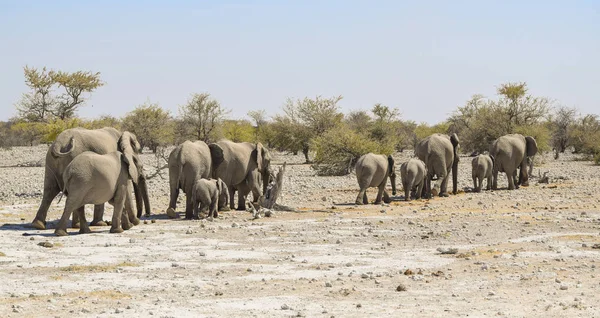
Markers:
point(91, 178)
point(413, 174)
point(189, 162)
point(209, 193)
point(482, 166)
point(243, 168)
point(512, 152)
point(373, 170)
point(440, 154)
point(68, 145)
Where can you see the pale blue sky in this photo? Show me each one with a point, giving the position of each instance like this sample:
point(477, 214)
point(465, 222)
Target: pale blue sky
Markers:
point(424, 57)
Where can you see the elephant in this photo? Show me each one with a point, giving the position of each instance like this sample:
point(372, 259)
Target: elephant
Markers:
point(68, 145)
point(188, 162)
point(482, 169)
point(373, 170)
point(512, 152)
point(243, 168)
point(439, 152)
point(413, 174)
point(209, 193)
point(92, 178)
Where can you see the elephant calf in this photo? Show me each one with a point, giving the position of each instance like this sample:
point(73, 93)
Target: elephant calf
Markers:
point(414, 175)
point(373, 171)
point(210, 193)
point(483, 166)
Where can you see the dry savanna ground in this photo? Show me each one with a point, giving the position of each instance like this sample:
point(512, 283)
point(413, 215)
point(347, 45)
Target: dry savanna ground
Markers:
point(530, 252)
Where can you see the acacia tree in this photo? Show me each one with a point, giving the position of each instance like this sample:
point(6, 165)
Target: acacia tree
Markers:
point(36, 105)
point(75, 86)
point(305, 119)
point(201, 117)
point(151, 124)
point(562, 123)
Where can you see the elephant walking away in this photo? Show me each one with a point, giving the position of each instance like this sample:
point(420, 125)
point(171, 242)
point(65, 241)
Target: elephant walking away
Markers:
point(189, 162)
point(373, 170)
point(245, 168)
point(207, 193)
point(439, 152)
point(482, 166)
point(413, 174)
point(511, 152)
point(91, 178)
point(68, 145)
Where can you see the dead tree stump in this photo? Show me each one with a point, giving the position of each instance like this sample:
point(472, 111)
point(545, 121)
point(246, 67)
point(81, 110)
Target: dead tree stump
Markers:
point(274, 189)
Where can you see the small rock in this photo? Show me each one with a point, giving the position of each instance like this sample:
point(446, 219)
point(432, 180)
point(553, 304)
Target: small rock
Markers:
point(285, 307)
point(564, 287)
point(401, 288)
point(189, 231)
point(328, 284)
point(132, 240)
point(153, 221)
point(46, 244)
point(447, 250)
point(234, 225)
point(408, 272)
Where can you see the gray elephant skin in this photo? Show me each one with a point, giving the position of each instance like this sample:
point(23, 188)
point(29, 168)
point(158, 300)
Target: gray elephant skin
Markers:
point(243, 168)
point(511, 152)
point(189, 162)
point(482, 167)
point(209, 193)
point(440, 154)
point(91, 178)
point(373, 170)
point(413, 174)
point(68, 145)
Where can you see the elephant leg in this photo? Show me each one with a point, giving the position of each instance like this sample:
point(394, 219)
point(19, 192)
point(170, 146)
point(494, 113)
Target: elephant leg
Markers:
point(495, 179)
point(129, 210)
point(489, 183)
point(407, 189)
point(380, 190)
point(386, 197)
point(231, 190)
point(213, 207)
point(76, 223)
point(173, 202)
point(50, 191)
point(362, 197)
point(444, 185)
point(118, 203)
point(241, 201)
point(419, 191)
point(515, 179)
point(511, 179)
point(475, 184)
point(98, 215)
point(189, 208)
point(83, 225)
point(70, 205)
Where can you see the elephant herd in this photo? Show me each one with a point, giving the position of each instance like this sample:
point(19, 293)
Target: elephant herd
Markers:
point(95, 167)
point(438, 155)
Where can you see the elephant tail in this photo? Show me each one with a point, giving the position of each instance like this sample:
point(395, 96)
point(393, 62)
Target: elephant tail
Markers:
point(58, 151)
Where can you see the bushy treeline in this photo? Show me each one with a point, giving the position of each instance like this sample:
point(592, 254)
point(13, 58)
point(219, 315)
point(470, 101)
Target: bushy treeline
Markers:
point(329, 139)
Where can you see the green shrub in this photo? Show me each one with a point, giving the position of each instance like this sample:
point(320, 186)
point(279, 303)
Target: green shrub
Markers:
point(338, 149)
point(540, 132)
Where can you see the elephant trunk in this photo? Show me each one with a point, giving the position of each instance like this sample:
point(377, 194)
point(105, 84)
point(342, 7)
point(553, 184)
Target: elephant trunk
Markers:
point(393, 182)
point(266, 175)
point(144, 190)
point(455, 175)
point(137, 191)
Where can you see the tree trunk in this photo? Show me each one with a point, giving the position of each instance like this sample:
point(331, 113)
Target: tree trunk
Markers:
point(305, 152)
point(274, 189)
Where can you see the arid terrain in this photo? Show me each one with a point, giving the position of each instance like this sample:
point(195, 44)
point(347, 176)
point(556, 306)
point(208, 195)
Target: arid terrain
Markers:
point(530, 252)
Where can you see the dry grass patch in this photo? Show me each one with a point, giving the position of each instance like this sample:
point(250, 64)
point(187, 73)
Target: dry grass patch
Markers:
point(97, 268)
point(2, 254)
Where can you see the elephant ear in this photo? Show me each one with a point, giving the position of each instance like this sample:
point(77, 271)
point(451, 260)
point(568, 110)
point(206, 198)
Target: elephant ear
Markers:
point(531, 144)
point(216, 155)
point(391, 170)
point(262, 157)
point(126, 144)
point(493, 159)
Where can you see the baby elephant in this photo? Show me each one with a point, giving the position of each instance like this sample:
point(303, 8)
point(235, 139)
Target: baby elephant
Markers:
point(482, 168)
point(414, 175)
point(95, 179)
point(373, 171)
point(210, 193)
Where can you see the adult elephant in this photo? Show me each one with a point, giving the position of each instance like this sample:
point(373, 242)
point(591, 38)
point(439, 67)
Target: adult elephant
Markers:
point(243, 166)
point(511, 152)
point(439, 152)
point(68, 145)
point(373, 170)
point(188, 162)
